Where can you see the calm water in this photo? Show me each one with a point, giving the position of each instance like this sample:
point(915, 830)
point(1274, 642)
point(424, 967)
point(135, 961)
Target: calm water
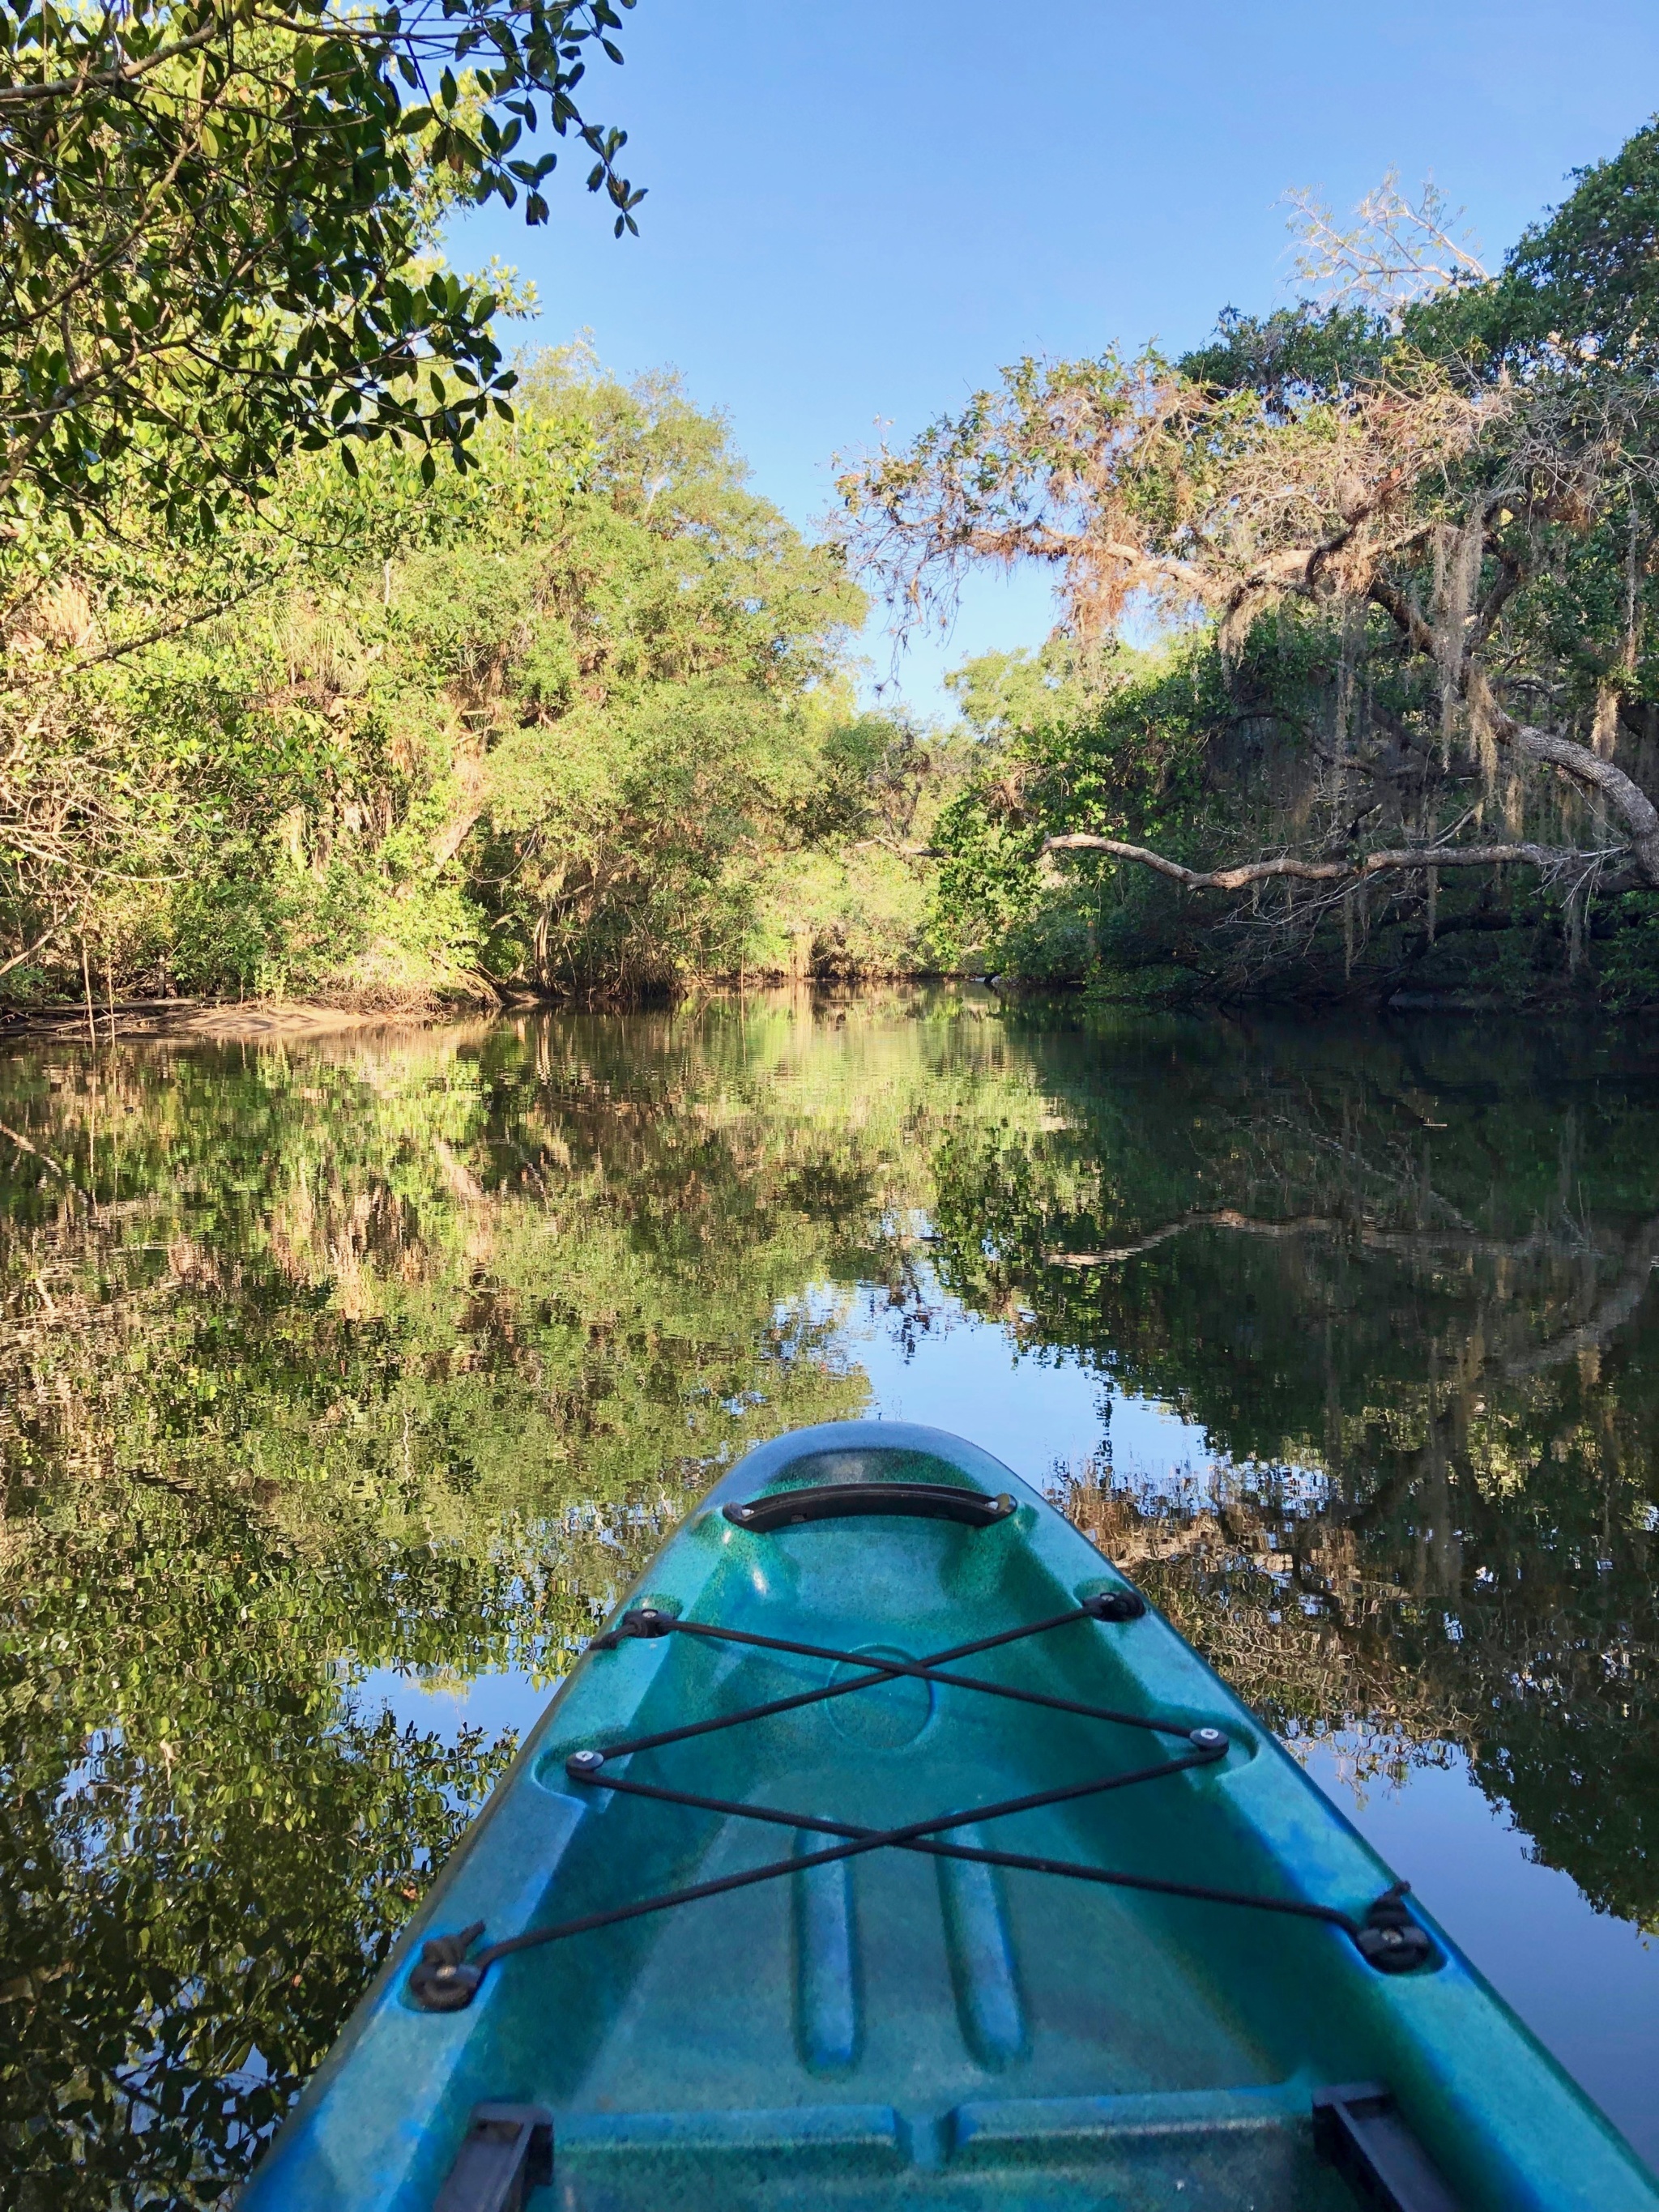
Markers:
point(345, 1388)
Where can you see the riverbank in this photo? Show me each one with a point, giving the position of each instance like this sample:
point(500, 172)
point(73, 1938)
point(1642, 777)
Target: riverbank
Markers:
point(233, 1019)
point(253, 1020)
point(229, 1020)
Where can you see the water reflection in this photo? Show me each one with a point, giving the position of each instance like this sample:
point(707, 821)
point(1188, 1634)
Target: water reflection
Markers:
point(329, 1373)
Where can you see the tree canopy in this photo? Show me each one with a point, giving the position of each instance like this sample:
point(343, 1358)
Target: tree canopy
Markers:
point(580, 718)
point(1414, 525)
point(213, 211)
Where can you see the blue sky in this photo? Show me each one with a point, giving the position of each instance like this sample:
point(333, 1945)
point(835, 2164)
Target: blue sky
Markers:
point(856, 216)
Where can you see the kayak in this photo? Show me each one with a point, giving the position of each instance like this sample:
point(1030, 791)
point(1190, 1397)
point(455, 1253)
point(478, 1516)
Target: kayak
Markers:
point(888, 1849)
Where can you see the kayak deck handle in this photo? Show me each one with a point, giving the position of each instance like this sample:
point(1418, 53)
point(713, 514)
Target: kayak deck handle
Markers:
point(841, 1501)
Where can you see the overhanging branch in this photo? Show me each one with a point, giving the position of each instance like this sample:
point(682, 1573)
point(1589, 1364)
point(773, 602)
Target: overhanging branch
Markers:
point(1554, 859)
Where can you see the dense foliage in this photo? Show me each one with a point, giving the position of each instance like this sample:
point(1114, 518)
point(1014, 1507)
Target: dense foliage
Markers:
point(1400, 735)
point(577, 718)
point(326, 669)
point(577, 714)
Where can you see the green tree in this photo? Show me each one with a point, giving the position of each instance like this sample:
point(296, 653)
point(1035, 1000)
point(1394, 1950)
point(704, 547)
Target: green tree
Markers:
point(549, 722)
point(1582, 282)
point(1419, 578)
point(211, 216)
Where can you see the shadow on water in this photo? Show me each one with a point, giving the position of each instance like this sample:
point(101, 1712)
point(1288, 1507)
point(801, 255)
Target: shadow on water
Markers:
point(390, 1360)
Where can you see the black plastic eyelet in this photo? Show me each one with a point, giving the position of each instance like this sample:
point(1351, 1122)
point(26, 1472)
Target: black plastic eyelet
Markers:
point(1115, 1605)
point(445, 1979)
point(1391, 1940)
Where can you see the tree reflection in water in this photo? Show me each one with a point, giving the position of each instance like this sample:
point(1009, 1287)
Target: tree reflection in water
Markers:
point(1416, 1270)
point(403, 1353)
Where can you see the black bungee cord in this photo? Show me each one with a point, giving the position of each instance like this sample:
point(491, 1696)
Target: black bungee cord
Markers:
point(445, 1979)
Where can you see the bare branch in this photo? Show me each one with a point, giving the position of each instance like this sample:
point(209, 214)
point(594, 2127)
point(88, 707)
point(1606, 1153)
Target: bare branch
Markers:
point(1554, 858)
point(25, 95)
point(1411, 1243)
point(1395, 250)
point(45, 1159)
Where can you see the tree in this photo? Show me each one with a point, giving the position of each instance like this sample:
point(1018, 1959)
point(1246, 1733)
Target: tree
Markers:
point(551, 721)
point(211, 212)
point(1467, 551)
point(1583, 283)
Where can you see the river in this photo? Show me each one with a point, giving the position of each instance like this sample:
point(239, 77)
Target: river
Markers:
point(347, 1385)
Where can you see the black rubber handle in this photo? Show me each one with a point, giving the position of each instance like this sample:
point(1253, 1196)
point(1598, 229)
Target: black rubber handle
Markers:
point(838, 1501)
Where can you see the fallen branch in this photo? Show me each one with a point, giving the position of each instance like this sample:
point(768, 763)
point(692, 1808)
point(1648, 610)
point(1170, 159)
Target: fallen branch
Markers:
point(1618, 1307)
point(19, 959)
point(1553, 858)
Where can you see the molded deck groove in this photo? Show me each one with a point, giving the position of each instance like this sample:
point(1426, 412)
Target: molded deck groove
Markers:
point(826, 1972)
point(843, 2137)
point(996, 2129)
point(981, 1955)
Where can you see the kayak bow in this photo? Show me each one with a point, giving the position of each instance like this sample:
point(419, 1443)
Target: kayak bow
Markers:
point(1049, 1918)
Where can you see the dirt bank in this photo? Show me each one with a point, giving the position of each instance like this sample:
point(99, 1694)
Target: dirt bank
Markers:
point(226, 1021)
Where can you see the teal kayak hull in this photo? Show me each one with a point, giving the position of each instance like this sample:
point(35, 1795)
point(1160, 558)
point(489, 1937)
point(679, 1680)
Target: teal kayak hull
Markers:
point(917, 2021)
